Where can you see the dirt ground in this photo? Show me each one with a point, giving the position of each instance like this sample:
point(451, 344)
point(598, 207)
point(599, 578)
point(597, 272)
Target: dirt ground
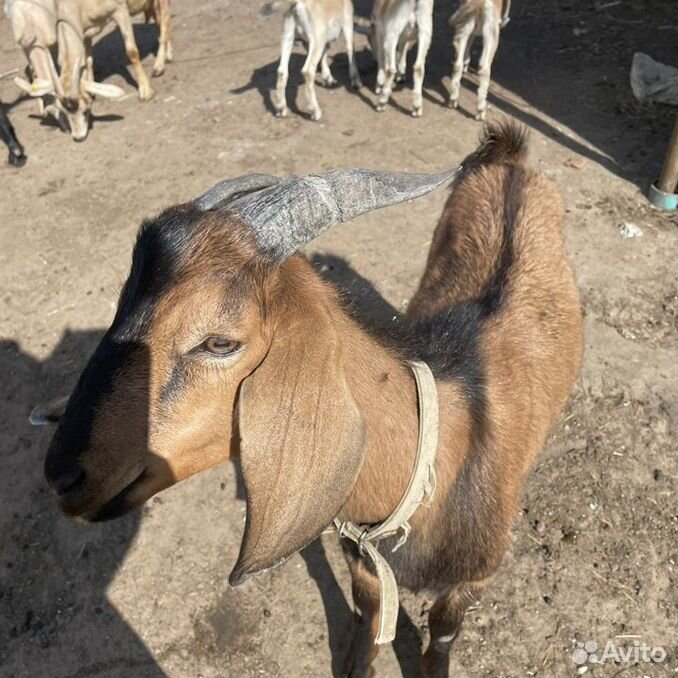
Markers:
point(594, 550)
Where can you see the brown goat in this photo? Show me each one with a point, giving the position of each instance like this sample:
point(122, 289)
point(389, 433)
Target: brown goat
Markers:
point(226, 344)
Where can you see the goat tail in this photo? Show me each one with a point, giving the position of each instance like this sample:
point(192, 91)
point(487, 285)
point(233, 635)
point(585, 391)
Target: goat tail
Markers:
point(501, 142)
point(268, 9)
point(466, 10)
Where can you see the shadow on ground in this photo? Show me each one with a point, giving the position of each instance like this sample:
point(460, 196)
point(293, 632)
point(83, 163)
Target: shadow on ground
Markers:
point(54, 572)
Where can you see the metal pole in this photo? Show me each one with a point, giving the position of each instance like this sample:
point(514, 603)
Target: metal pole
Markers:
point(662, 194)
point(668, 179)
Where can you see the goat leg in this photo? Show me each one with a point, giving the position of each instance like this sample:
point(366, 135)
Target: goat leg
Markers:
point(315, 53)
point(286, 43)
point(365, 588)
point(401, 70)
point(444, 620)
point(353, 73)
point(162, 17)
point(461, 42)
point(328, 79)
point(389, 70)
point(490, 44)
point(124, 22)
point(424, 33)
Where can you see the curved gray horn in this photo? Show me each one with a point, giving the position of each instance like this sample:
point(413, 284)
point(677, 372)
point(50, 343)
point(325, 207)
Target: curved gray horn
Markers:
point(290, 214)
point(229, 189)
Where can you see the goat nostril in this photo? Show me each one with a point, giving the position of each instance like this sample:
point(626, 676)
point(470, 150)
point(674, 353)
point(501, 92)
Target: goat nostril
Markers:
point(68, 480)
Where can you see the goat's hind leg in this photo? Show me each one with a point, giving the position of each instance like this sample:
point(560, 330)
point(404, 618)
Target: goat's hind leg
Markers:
point(315, 53)
point(353, 73)
point(365, 588)
point(461, 43)
point(122, 18)
point(328, 78)
point(444, 620)
point(389, 68)
point(286, 43)
point(162, 18)
point(424, 34)
point(401, 69)
point(490, 44)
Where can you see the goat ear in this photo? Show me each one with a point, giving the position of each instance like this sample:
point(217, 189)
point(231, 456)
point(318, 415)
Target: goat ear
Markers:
point(37, 88)
point(102, 89)
point(301, 447)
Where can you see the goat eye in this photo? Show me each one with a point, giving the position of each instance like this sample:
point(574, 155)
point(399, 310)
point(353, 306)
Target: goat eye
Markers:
point(220, 345)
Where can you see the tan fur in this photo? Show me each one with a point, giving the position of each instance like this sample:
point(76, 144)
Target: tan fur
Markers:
point(324, 416)
point(79, 22)
point(482, 18)
point(396, 26)
point(317, 23)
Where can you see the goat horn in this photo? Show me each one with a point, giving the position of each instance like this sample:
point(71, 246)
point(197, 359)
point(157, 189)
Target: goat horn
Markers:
point(286, 216)
point(232, 189)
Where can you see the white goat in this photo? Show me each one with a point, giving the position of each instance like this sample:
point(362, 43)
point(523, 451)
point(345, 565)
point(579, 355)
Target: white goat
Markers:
point(476, 18)
point(396, 26)
point(317, 23)
point(78, 22)
point(33, 24)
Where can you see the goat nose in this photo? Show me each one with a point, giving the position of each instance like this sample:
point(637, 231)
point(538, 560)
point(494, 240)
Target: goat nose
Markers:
point(67, 480)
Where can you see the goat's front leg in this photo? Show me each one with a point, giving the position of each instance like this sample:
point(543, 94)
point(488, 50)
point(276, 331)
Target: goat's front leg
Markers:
point(425, 31)
point(444, 621)
point(490, 44)
point(365, 588)
point(162, 18)
point(122, 18)
point(315, 53)
point(286, 44)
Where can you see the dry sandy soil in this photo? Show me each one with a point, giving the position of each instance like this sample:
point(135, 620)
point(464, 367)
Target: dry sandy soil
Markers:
point(594, 549)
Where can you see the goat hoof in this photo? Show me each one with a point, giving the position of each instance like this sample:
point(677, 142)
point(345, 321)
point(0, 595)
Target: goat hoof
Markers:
point(16, 160)
point(356, 83)
point(416, 112)
point(330, 82)
point(453, 103)
point(316, 115)
point(281, 113)
point(380, 108)
point(146, 95)
point(157, 72)
point(480, 116)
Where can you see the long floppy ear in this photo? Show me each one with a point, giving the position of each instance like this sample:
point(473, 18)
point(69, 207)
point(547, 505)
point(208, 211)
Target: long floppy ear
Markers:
point(102, 89)
point(302, 442)
point(37, 88)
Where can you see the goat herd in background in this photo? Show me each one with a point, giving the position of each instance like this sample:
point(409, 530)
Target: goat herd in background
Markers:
point(44, 28)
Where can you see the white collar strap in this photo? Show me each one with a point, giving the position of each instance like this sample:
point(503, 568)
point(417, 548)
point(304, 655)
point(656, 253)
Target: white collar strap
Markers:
point(422, 485)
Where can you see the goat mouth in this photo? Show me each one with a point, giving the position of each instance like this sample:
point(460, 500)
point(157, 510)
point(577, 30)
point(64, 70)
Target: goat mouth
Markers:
point(120, 503)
